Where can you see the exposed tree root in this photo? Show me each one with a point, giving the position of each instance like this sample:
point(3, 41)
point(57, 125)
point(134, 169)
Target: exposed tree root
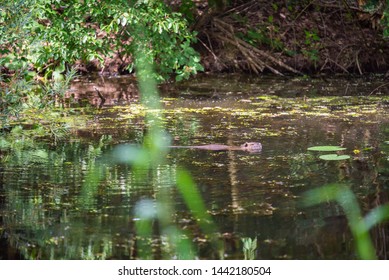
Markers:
point(312, 36)
point(257, 59)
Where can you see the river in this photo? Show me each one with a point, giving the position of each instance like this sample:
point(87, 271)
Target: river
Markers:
point(76, 200)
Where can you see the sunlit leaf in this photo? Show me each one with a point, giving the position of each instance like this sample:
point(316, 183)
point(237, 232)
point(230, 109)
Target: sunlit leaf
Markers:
point(124, 21)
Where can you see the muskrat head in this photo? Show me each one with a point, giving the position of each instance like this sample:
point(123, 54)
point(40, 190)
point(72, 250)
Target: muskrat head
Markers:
point(252, 146)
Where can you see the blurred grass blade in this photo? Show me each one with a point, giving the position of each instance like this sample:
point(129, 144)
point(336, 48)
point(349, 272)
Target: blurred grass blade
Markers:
point(376, 216)
point(193, 199)
point(342, 194)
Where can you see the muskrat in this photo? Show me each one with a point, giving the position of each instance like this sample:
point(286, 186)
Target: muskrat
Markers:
point(248, 146)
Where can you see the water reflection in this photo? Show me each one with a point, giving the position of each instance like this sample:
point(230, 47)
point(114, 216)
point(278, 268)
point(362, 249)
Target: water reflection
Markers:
point(122, 90)
point(104, 91)
point(74, 201)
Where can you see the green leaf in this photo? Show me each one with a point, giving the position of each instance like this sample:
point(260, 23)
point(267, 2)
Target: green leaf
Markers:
point(57, 76)
point(334, 157)
point(40, 154)
point(60, 68)
point(326, 148)
point(4, 144)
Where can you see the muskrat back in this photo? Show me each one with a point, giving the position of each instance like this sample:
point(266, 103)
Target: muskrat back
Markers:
point(211, 147)
point(248, 146)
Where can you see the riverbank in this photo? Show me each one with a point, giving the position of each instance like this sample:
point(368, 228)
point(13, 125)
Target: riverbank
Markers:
point(283, 37)
point(309, 37)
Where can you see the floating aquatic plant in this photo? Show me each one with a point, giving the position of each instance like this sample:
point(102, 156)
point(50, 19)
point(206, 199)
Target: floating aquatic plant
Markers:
point(334, 157)
point(326, 148)
point(329, 149)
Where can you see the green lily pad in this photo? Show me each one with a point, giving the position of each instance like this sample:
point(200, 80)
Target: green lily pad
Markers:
point(326, 148)
point(334, 157)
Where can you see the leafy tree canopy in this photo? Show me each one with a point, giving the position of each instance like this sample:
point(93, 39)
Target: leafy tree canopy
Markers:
point(51, 34)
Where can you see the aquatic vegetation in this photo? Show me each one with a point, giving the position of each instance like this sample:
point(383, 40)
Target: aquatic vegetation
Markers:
point(330, 149)
point(249, 247)
point(326, 148)
point(334, 157)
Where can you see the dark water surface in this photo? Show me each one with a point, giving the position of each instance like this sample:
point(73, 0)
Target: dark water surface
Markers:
point(69, 201)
